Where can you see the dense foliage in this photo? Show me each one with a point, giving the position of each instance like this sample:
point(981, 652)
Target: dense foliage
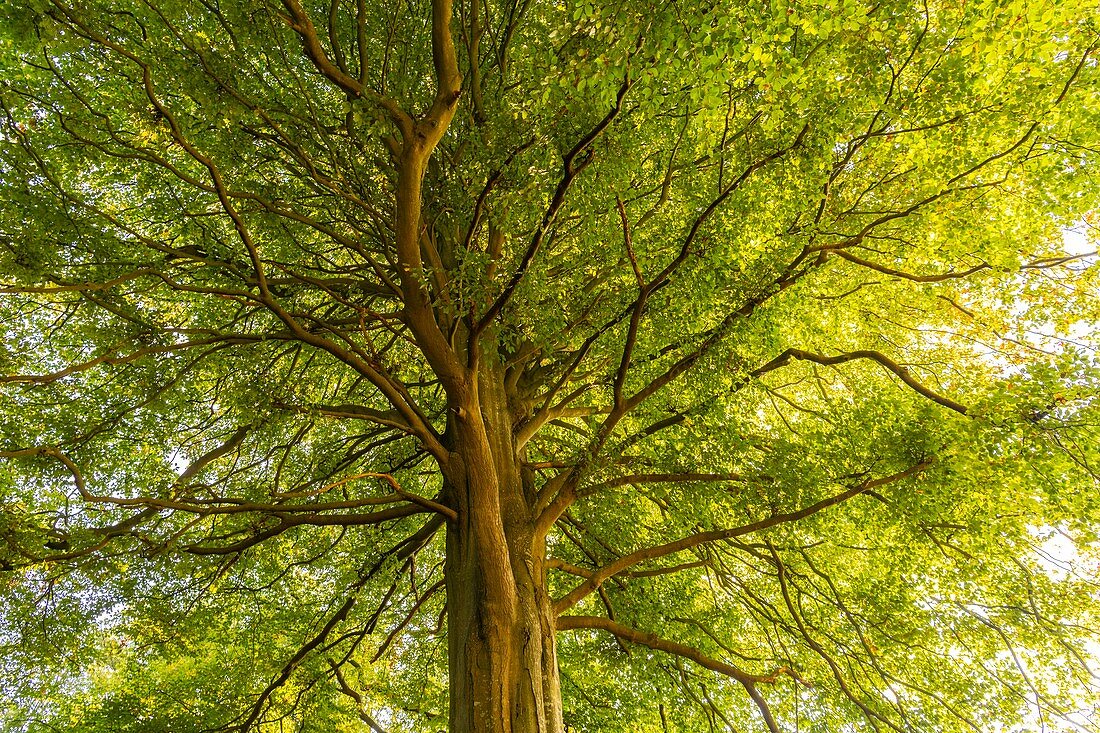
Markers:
point(780, 319)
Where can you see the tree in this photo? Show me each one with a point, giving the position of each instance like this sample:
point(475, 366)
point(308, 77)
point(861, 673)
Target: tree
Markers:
point(370, 365)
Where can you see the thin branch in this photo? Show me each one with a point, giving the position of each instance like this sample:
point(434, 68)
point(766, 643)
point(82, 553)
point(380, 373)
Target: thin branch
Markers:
point(299, 21)
point(360, 703)
point(634, 636)
point(700, 538)
point(875, 356)
point(570, 169)
point(654, 478)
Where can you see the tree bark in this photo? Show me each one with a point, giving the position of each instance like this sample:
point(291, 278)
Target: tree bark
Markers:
point(502, 658)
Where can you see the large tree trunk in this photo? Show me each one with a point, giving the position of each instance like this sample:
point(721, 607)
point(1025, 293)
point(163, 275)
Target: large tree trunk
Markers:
point(502, 662)
point(503, 665)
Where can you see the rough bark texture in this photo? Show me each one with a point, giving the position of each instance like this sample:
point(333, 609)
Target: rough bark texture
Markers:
point(503, 667)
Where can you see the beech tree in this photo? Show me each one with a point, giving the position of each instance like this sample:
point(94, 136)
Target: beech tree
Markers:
point(519, 366)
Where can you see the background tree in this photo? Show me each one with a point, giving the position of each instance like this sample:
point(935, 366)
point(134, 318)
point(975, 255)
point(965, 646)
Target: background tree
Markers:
point(513, 365)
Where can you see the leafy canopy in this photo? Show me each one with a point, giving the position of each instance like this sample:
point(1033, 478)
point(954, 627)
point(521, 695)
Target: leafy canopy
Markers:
point(783, 289)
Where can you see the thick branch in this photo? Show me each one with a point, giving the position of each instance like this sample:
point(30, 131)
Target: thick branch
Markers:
point(414, 156)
